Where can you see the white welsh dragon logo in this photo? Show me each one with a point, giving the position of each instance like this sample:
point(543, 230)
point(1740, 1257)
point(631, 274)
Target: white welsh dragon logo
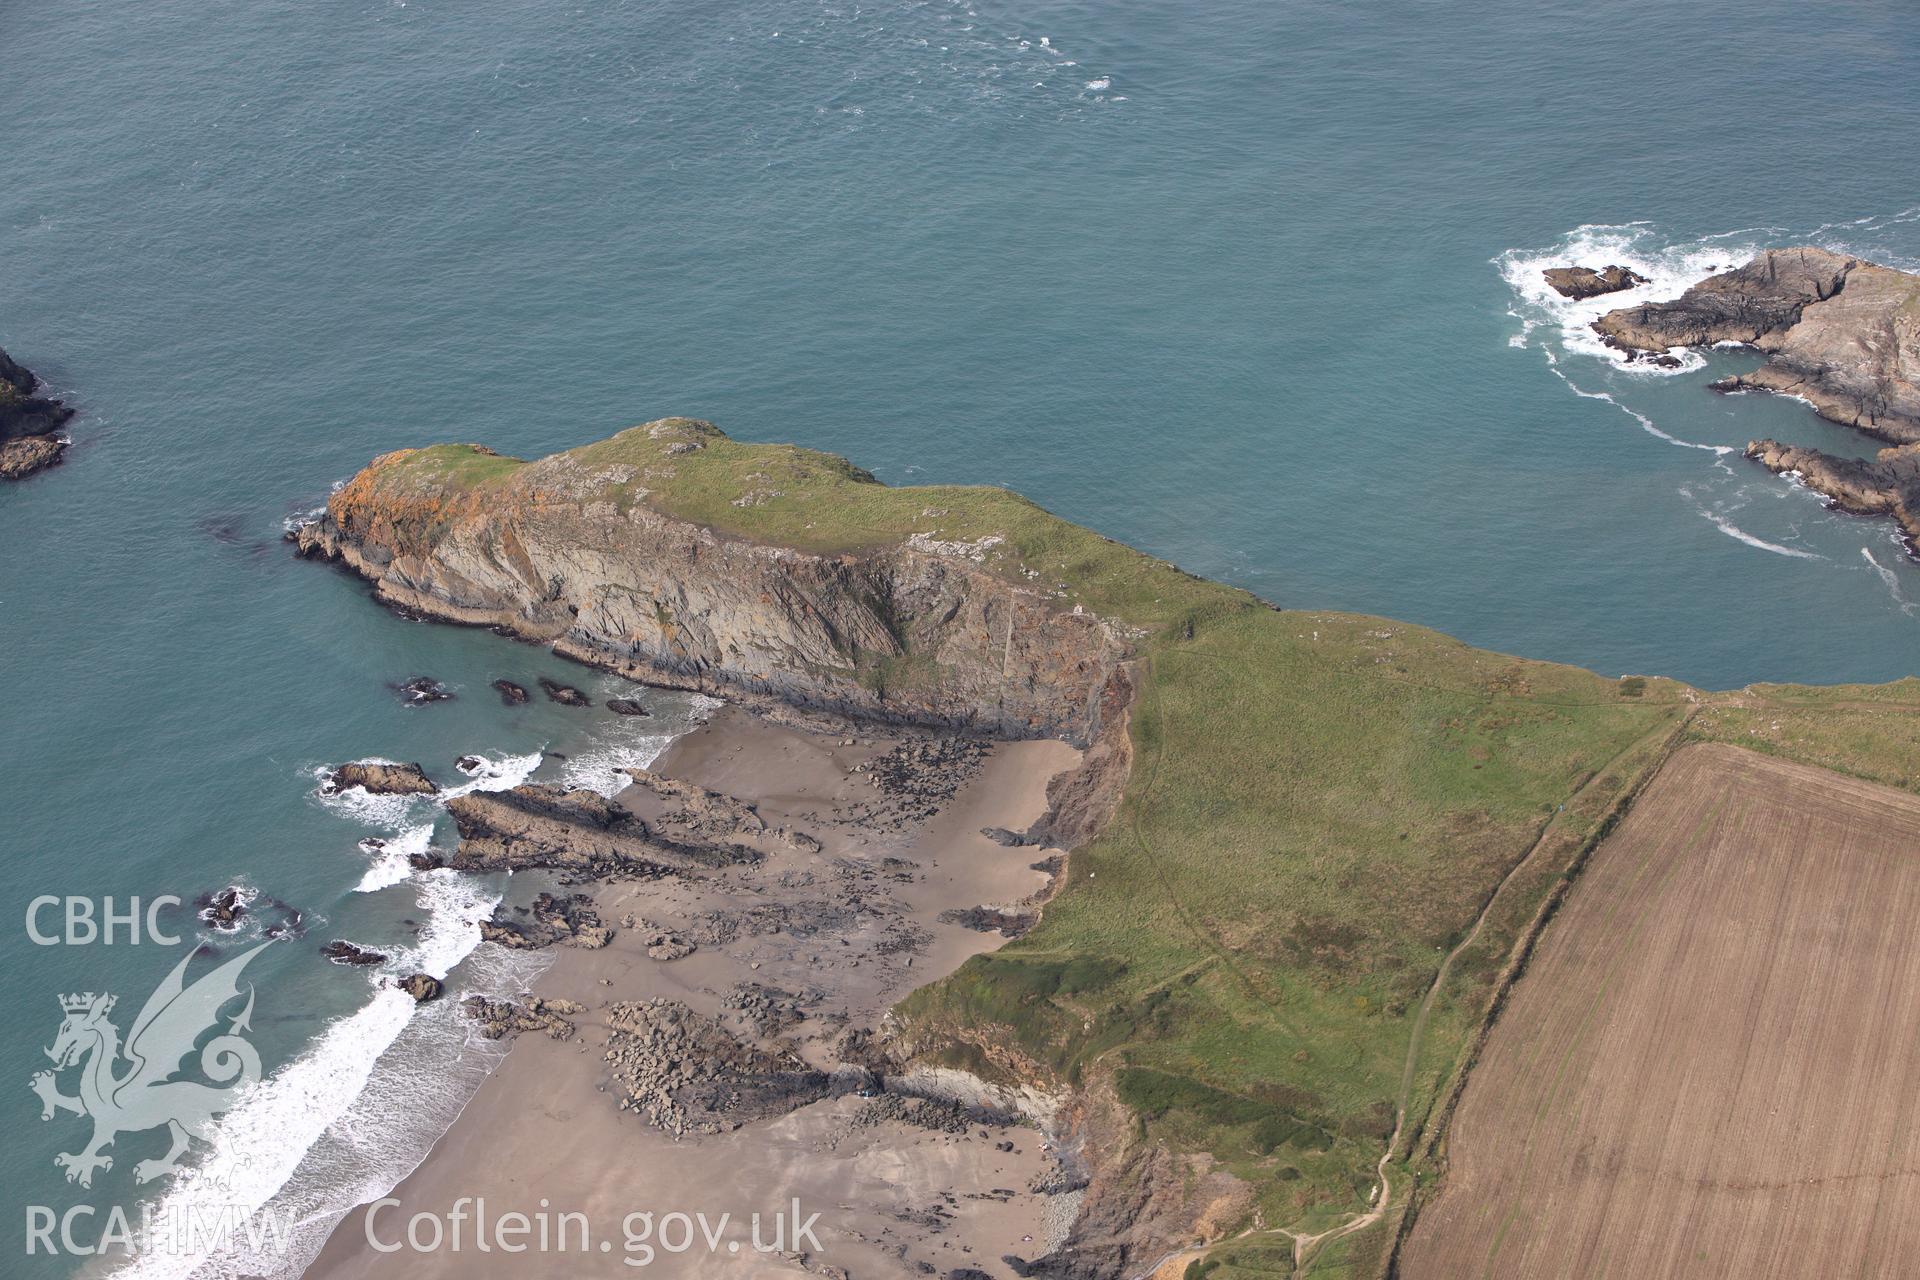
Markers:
point(143, 1096)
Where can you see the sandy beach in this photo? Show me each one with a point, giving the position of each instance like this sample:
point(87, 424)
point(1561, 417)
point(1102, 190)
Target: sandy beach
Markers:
point(796, 954)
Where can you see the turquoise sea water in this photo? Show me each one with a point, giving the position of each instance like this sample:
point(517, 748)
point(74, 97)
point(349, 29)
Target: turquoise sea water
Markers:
point(1249, 285)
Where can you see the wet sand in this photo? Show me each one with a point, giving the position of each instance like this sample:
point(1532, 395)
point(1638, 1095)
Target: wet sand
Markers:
point(845, 932)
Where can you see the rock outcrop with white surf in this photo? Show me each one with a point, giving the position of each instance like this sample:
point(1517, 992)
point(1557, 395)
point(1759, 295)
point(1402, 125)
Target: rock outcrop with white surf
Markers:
point(1580, 283)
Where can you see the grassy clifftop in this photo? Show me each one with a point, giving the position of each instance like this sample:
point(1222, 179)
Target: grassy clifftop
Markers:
point(782, 495)
point(1335, 830)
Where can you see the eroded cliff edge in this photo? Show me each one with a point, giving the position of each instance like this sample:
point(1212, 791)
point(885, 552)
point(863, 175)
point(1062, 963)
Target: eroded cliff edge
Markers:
point(639, 554)
point(1841, 333)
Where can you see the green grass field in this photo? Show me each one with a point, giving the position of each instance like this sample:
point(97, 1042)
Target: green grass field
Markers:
point(1321, 807)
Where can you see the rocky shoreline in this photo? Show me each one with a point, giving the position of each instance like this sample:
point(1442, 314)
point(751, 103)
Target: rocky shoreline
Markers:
point(731, 930)
point(787, 915)
point(30, 424)
point(1840, 333)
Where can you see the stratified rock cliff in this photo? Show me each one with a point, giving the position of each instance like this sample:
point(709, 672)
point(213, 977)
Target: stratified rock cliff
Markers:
point(28, 423)
point(1843, 333)
point(673, 555)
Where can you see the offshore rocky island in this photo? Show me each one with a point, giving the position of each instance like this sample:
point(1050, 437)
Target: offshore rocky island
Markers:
point(1011, 830)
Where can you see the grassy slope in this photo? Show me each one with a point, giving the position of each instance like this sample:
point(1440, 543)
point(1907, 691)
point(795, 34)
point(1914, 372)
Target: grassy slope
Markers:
point(1320, 808)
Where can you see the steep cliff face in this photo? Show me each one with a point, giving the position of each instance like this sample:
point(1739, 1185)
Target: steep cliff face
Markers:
point(1843, 333)
point(899, 619)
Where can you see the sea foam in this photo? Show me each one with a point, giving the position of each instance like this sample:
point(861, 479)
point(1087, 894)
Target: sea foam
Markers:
point(348, 1116)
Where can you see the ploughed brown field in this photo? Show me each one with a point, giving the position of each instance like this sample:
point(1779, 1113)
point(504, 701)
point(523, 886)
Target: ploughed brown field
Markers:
point(1712, 1067)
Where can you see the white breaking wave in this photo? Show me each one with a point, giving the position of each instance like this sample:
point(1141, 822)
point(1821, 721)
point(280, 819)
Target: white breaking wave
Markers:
point(502, 774)
point(357, 1109)
point(357, 804)
point(392, 863)
point(408, 820)
point(1738, 534)
point(1670, 270)
point(631, 743)
point(1719, 451)
point(342, 1075)
point(1892, 581)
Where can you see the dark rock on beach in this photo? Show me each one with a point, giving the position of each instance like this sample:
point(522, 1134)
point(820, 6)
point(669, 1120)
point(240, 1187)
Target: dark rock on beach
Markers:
point(510, 693)
point(570, 920)
point(1008, 924)
point(564, 693)
point(421, 987)
point(686, 1074)
point(382, 779)
point(1580, 283)
point(541, 825)
point(499, 1019)
point(626, 707)
point(29, 423)
point(419, 690)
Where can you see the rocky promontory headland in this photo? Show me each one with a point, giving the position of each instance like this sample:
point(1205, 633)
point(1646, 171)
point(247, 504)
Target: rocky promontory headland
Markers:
point(672, 555)
point(1841, 333)
point(29, 423)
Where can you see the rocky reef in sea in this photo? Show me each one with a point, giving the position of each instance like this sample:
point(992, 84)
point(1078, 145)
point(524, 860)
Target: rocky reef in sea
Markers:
point(1840, 333)
point(1581, 283)
point(30, 438)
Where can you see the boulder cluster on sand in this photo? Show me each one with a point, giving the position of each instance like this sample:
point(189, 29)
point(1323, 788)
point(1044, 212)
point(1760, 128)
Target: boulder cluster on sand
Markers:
point(29, 423)
point(686, 1074)
point(551, 919)
point(1841, 333)
point(1580, 283)
point(500, 1019)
